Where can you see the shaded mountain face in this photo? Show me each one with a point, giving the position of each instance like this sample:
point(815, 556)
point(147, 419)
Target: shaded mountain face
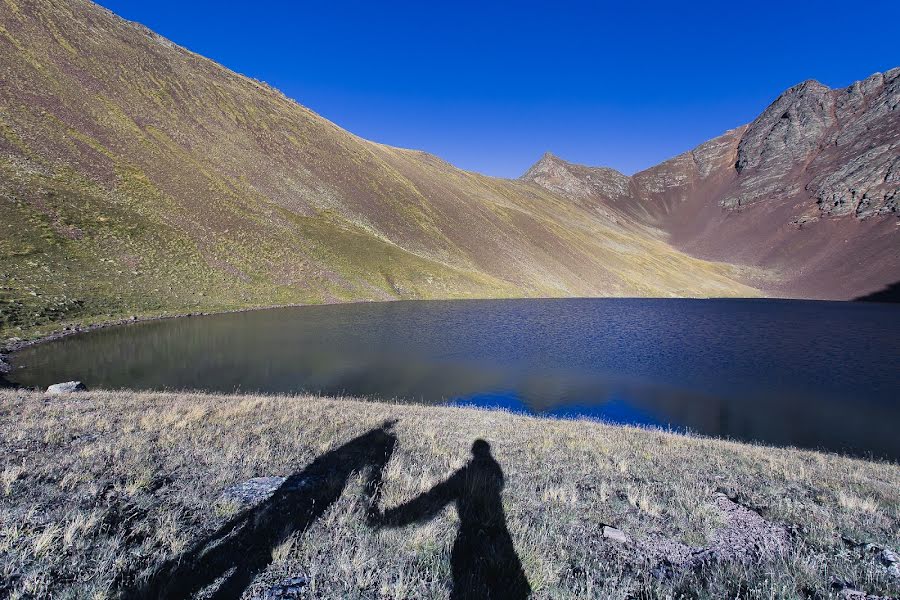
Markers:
point(138, 177)
point(808, 192)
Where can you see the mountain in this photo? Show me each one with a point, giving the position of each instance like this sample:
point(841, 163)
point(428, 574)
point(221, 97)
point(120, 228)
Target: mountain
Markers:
point(138, 177)
point(807, 194)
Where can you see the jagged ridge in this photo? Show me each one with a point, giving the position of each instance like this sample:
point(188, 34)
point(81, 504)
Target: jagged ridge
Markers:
point(816, 167)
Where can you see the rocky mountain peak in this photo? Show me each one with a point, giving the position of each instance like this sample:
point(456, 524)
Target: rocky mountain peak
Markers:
point(839, 147)
point(789, 128)
point(577, 181)
point(553, 173)
point(810, 187)
point(547, 162)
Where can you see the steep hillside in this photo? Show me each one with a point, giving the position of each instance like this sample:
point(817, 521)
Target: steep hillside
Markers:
point(808, 191)
point(138, 177)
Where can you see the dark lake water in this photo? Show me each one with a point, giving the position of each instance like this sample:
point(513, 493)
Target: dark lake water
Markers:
point(822, 375)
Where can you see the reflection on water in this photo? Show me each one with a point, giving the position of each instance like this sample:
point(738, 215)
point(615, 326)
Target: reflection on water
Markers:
point(810, 374)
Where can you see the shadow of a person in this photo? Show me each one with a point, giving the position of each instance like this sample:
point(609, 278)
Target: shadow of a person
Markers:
point(245, 543)
point(484, 562)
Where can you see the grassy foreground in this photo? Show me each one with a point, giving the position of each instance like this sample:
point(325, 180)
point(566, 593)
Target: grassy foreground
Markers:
point(98, 489)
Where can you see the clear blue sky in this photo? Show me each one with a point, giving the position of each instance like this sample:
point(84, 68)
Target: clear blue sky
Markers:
point(491, 86)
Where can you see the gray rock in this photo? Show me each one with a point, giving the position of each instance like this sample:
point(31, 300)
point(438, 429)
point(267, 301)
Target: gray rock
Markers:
point(891, 561)
point(843, 142)
point(4, 369)
point(67, 387)
point(616, 535)
point(578, 182)
point(253, 491)
point(851, 594)
point(289, 588)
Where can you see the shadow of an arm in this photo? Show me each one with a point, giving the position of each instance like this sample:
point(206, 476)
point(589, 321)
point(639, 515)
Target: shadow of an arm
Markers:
point(422, 508)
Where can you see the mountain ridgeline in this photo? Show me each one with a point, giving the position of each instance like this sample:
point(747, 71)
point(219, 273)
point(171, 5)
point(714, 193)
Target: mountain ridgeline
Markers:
point(808, 192)
point(137, 177)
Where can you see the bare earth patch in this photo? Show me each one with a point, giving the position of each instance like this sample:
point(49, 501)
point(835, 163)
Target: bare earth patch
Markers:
point(100, 492)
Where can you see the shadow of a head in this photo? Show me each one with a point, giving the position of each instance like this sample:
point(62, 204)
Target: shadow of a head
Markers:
point(481, 448)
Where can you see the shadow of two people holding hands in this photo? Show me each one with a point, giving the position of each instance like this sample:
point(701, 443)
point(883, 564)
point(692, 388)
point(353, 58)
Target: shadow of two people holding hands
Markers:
point(483, 560)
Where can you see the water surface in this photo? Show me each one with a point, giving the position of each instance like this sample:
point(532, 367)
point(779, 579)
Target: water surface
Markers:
point(811, 374)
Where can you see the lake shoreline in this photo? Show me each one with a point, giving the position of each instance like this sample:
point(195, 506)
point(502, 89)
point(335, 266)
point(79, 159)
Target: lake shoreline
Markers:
point(629, 507)
point(615, 359)
point(10, 347)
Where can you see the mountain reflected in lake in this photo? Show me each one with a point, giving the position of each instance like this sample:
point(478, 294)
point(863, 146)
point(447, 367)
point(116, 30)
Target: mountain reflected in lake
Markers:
point(809, 374)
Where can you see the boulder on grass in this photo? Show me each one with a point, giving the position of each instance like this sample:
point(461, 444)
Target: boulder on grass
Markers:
point(67, 387)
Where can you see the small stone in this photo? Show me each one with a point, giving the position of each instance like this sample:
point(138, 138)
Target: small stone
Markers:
point(253, 491)
point(888, 557)
point(841, 583)
point(289, 588)
point(67, 387)
point(616, 535)
point(259, 489)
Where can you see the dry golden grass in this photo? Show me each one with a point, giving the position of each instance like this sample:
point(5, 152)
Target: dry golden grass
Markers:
point(98, 488)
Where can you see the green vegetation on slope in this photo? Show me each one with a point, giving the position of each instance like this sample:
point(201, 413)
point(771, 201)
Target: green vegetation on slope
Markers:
point(139, 178)
point(98, 489)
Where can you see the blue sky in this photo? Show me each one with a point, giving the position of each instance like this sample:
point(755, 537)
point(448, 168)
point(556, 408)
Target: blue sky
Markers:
point(491, 86)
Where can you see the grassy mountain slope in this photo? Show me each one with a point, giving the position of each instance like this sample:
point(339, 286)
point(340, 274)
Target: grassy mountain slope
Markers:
point(138, 177)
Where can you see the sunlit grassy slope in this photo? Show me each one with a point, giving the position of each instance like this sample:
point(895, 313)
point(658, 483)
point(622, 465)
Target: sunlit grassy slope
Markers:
point(138, 177)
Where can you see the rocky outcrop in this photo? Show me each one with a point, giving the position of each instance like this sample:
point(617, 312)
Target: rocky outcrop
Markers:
point(746, 536)
point(808, 191)
point(840, 147)
point(252, 492)
point(678, 179)
point(858, 171)
point(779, 140)
point(577, 181)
